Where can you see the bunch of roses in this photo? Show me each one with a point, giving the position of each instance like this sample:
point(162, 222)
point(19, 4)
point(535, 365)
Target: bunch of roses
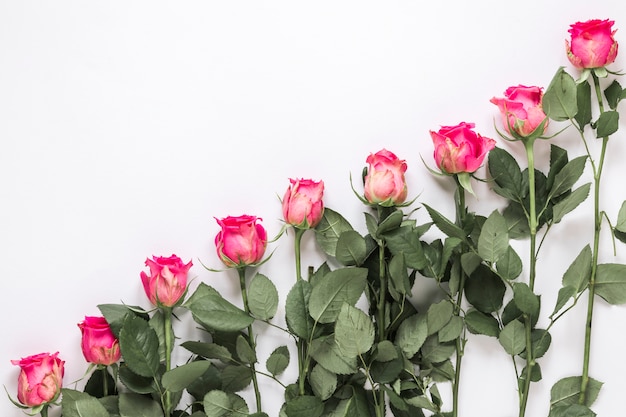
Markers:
point(350, 362)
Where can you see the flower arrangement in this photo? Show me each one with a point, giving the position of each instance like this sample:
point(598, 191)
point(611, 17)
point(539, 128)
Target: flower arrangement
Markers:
point(362, 347)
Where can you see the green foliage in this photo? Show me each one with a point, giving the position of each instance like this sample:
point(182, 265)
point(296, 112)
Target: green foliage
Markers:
point(337, 287)
point(329, 229)
point(262, 297)
point(560, 99)
point(180, 377)
point(611, 283)
point(215, 313)
point(354, 331)
point(278, 360)
point(78, 404)
point(566, 392)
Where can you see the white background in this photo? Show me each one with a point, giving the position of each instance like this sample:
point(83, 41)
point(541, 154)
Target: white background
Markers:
point(126, 127)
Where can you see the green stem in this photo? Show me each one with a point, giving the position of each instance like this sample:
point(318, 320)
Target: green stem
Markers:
point(105, 381)
point(381, 310)
point(244, 295)
point(532, 223)
point(596, 249)
point(300, 344)
point(461, 212)
point(169, 339)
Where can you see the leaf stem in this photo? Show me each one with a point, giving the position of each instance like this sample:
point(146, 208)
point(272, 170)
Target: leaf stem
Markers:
point(244, 295)
point(167, 331)
point(532, 224)
point(597, 177)
point(300, 344)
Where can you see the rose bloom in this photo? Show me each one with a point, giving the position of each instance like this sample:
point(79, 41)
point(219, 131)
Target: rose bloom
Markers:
point(521, 109)
point(167, 281)
point(384, 181)
point(241, 241)
point(592, 44)
point(302, 203)
point(40, 380)
point(99, 344)
point(460, 149)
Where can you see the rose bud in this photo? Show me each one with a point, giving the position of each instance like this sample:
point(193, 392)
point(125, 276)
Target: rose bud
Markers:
point(384, 181)
point(302, 204)
point(521, 110)
point(40, 380)
point(241, 241)
point(99, 344)
point(167, 282)
point(592, 44)
point(459, 149)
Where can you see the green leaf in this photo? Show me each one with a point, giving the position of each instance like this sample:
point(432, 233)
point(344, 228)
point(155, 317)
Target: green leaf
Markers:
point(354, 331)
point(262, 297)
point(211, 310)
point(509, 265)
point(390, 223)
point(335, 288)
point(469, 262)
point(567, 177)
point(326, 352)
point(506, 172)
point(329, 229)
point(494, 238)
point(79, 404)
point(405, 240)
point(579, 272)
point(278, 360)
point(611, 283)
point(116, 313)
point(583, 100)
point(385, 351)
point(484, 290)
point(217, 404)
point(452, 330)
point(525, 299)
point(481, 323)
point(208, 350)
point(565, 293)
point(559, 101)
point(411, 334)
point(244, 350)
point(139, 345)
point(567, 391)
point(235, 378)
point(570, 202)
point(445, 225)
point(607, 124)
point(613, 94)
point(435, 352)
point(621, 218)
point(304, 406)
point(157, 323)
point(399, 275)
point(136, 383)
point(181, 377)
point(135, 405)
point(513, 338)
point(297, 315)
point(572, 410)
point(351, 248)
point(439, 315)
point(323, 382)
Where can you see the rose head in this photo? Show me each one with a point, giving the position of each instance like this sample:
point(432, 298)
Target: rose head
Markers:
point(521, 109)
point(459, 149)
point(167, 281)
point(241, 241)
point(592, 44)
point(302, 204)
point(40, 380)
point(99, 344)
point(384, 181)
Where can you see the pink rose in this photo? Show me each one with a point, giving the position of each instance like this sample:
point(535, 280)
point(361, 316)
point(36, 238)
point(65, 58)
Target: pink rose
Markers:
point(592, 44)
point(40, 380)
point(521, 109)
point(460, 149)
point(302, 203)
point(241, 241)
point(167, 281)
point(384, 181)
point(99, 344)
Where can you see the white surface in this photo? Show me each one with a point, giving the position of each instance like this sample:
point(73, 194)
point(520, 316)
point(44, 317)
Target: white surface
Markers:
point(127, 126)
